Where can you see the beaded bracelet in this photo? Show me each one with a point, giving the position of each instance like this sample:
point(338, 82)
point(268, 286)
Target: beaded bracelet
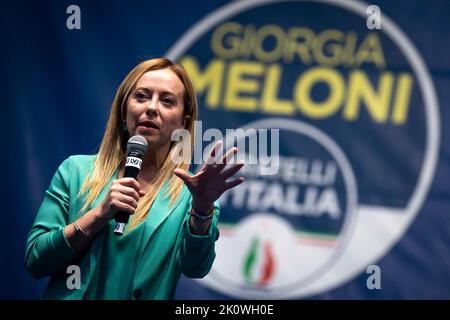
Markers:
point(201, 217)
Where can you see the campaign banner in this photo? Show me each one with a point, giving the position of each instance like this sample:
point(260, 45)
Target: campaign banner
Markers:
point(359, 136)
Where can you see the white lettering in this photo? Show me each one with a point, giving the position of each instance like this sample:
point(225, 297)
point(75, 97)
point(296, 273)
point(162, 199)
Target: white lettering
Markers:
point(74, 280)
point(74, 20)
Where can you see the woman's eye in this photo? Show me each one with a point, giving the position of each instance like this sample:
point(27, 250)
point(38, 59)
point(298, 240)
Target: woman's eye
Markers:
point(140, 96)
point(168, 101)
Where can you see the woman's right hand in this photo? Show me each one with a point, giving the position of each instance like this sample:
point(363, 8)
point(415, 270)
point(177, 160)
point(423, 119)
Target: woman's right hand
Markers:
point(123, 195)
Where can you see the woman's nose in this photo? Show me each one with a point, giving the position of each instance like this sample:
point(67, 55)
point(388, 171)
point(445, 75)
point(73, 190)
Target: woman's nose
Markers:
point(152, 107)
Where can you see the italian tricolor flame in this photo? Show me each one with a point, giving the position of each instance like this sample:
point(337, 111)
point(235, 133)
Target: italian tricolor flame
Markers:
point(267, 265)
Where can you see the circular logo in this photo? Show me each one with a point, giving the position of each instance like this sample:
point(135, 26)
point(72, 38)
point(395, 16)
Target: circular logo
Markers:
point(306, 209)
point(358, 141)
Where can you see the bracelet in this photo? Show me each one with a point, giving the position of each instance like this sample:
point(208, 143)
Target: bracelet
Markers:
point(201, 217)
point(78, 228)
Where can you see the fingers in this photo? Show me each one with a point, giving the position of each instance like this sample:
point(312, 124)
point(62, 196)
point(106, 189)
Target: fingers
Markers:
point(123, 195)
point(130, 192)
point(128, 195)
point(226, 158)
point(128, 186)
point(233, 183)
point(125, 203)
point(127, 200)
point(229, 172)
point(120, 202)
point(215, 151)
point(121, 206)
point(182, 174)
point(129, 182)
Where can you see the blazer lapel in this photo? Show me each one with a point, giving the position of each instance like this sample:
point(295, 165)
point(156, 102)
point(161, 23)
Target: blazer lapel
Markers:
point(160, 211)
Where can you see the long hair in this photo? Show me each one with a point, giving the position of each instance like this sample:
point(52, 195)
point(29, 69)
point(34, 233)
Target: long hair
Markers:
point(113, 146)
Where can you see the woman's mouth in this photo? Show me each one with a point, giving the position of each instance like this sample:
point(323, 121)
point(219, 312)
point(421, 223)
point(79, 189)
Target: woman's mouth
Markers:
point(148, 126)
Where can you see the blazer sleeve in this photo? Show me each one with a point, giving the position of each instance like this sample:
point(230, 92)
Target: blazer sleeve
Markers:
point(197, 252)
point(47, 249)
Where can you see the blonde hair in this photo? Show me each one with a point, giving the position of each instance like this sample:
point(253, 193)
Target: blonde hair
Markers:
point(113, 146)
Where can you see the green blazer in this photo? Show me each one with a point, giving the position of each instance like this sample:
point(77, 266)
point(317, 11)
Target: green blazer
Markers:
point(170, 247)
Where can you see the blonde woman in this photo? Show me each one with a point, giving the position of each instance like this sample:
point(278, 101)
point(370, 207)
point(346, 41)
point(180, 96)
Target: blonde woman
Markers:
point(174, 215)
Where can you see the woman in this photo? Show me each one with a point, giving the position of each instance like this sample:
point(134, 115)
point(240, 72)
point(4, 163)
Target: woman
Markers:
point(173, 224)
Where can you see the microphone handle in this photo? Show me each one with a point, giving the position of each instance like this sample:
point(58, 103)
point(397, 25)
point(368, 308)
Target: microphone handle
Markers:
point(122, 217)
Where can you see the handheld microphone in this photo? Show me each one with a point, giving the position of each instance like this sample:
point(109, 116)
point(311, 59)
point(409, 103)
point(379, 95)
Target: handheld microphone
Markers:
point(136, 147)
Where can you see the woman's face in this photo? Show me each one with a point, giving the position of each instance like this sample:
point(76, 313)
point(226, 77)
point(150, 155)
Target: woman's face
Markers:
point(155, 108)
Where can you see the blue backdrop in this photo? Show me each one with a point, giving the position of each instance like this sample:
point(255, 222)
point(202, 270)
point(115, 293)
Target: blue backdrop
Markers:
point(58, 84)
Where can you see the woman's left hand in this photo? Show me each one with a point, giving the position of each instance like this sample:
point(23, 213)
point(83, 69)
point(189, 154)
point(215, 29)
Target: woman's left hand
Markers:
point(210, 182)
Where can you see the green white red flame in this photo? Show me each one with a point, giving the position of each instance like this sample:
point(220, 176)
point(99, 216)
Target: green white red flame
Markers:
point(268, 263)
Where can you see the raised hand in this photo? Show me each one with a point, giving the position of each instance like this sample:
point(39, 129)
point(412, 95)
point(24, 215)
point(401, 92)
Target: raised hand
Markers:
point(210, 183)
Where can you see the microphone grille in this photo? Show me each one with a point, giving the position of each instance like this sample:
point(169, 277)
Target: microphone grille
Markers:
point(137, 143)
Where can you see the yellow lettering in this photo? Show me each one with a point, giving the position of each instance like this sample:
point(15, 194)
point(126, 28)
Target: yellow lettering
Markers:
point(401, 103)
point(237, 85)
point(269, 55)
point(210, 79)
point(269, 102)
point(248, 42)
point(225, 41)
point(301, 48)
point(323, 44)
point(370, 50)
point(349, 50)
point(304, 86)
point(361, 92)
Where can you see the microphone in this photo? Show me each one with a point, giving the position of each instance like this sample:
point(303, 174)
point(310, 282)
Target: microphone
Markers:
point(136, 147)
